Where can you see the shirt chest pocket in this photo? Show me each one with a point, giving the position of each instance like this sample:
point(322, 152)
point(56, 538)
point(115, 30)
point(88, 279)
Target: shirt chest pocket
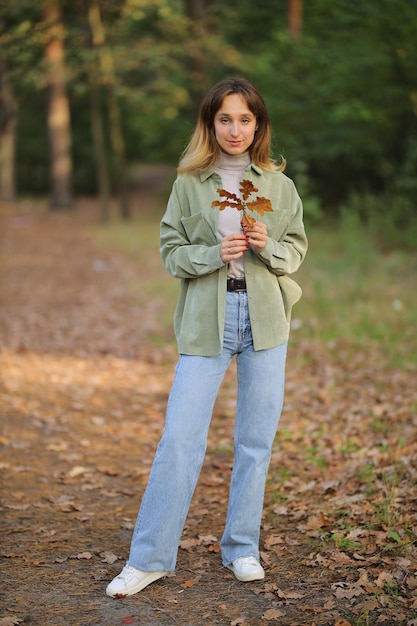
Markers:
point(198, 230)
point(277, 224)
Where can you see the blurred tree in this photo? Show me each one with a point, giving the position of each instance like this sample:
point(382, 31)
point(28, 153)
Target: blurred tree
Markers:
point(58, 117)
point(196, 9)
point(342, 96)
point(107, 79)
point(8, 110)
point(295, 17)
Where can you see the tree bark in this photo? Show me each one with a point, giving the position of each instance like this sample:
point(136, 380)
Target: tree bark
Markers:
point(295, 17)
point(59, 125)
point(97, 128)
point(100, 155)
point(195, 9)
point(8, 108)
point(116, 134)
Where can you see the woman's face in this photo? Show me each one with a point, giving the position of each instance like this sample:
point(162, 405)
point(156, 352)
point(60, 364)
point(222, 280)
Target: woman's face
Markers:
point(234, 125)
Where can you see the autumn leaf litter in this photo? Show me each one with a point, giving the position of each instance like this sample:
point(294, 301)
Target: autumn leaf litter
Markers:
point(82, 395)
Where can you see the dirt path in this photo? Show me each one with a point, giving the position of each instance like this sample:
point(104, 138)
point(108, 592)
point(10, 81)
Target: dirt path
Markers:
point(82, 398)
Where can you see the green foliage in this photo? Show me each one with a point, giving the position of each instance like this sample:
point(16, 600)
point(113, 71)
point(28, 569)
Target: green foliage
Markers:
point(390, 218)
point(342, 96)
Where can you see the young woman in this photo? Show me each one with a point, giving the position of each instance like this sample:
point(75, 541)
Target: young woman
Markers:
point(235, 301)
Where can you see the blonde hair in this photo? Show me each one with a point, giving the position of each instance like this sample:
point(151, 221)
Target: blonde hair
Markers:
point(203, 151)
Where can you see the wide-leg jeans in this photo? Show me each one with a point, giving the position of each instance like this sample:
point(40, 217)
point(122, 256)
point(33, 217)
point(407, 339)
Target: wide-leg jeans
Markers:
point(181, 450)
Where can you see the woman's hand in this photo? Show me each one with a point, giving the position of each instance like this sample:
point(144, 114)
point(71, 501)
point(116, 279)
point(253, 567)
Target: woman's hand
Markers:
point(233, 247)
point(257, 236)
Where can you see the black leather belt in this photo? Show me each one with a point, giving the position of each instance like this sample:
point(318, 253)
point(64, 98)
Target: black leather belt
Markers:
point(236, 284)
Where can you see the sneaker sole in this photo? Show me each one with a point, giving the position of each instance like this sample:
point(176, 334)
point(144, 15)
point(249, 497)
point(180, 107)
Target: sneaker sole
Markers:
point(247, 577)
point(152, 576)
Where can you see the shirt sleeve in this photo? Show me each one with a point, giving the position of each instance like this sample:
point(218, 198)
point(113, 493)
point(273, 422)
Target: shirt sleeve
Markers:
point(286, 255)
point(189, 247)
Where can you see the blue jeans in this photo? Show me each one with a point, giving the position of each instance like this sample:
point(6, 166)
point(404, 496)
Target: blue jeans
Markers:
point(181, 451)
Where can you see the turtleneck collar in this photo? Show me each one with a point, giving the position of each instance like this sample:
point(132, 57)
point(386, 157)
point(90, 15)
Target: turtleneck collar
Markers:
point(234, 162)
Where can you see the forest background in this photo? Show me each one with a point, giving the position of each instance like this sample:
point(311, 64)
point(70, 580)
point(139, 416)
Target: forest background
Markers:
point(97, 100)
point(93, 89)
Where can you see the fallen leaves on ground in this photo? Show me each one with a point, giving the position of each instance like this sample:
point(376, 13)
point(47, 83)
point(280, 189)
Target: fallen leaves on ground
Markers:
point(83, 394)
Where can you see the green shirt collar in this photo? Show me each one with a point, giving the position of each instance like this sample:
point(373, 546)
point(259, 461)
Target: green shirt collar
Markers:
point(205, 175)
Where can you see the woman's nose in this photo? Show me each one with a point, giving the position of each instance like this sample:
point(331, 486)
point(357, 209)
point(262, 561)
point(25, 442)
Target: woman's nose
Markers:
point(234, 130)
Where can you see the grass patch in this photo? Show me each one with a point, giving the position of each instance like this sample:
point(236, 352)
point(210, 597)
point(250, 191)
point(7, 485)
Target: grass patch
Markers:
point(139, 240)
point(355, 296)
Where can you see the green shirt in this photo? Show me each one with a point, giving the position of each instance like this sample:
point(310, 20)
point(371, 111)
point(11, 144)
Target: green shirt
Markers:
point(190, 250)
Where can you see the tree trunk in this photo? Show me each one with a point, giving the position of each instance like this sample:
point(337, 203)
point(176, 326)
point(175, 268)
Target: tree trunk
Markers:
point(59, 128)
point(97, 127)
point(116, 134)
point(195, 9)
point(8, 110)
point(295, 17)
point(196, 12)
point(100, 156)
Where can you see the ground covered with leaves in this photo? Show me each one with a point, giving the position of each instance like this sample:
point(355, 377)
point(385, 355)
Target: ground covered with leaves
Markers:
point(82, 397)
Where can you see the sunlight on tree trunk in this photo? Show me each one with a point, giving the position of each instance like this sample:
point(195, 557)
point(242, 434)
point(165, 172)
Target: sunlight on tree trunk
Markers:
point(8, 110)
point(295, 17)
point(58, 111)
point(107, 75)
point(100, 152)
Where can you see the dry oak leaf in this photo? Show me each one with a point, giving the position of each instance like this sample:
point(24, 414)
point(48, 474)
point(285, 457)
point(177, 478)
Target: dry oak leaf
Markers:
point(247, 187)
point(189, 544)
point(109, 557)
point(261, 205)
point(84, 555)
point(289, 595)
point(272, 540)
point(10, 620)
point(231, 201)
point(272, 614)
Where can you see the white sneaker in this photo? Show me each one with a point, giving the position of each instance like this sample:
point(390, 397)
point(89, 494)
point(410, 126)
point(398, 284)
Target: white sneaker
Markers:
point(130, 581)
point(247, 568)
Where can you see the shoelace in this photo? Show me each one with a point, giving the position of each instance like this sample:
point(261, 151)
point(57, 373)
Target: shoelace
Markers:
point(248, 560)
point(127, 572)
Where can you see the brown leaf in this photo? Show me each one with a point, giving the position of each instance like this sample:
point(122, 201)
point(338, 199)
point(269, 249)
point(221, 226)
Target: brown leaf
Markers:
point(10, 620)
point(260, 205)
point(215, 547)
point(272, 540)
point(84, 555)
point(247, 221)
point(246, 188)
point(188, 544)
point(272, 614)
point(231, 200)
point(109, 557)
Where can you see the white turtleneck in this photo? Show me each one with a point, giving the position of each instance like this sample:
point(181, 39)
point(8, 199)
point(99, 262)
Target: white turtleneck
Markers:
point(231, 168)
